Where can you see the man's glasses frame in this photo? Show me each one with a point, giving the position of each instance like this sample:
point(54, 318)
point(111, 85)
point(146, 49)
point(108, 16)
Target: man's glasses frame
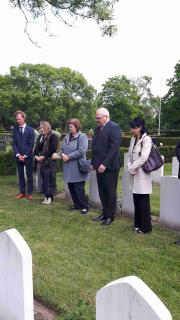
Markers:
point(98, 118)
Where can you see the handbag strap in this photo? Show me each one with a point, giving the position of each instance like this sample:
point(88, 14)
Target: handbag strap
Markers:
point(78, 141)
point(153, 145)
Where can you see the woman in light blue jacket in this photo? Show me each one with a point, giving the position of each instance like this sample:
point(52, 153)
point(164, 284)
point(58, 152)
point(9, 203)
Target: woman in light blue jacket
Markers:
point(74, 147)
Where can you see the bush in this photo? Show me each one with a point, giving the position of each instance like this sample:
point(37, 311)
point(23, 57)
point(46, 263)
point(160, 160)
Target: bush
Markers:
point(7, 163)
point(168, 152)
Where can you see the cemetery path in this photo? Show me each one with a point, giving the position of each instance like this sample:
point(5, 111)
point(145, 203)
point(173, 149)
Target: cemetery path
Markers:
point(43, 313)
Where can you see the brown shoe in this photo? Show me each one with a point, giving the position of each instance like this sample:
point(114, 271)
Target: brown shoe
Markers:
point(20, 196)
point(29, 196)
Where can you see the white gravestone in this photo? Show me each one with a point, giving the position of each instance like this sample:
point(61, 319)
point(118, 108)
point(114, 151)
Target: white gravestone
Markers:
point(170, 202)
point(127, 198)
point(93, 190)
point(16, 285)
point(67, 193)
point(157, 174)
point(125, 161)
point(175, 166)
point(37, 180)
point(129, 298)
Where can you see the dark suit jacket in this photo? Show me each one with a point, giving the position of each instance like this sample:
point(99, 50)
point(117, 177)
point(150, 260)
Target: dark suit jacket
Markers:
point(23, 143)
point(105, 146)
point(178, 156)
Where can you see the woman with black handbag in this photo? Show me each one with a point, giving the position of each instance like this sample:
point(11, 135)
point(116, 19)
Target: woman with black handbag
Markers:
point(140, 181)
point(73, 148)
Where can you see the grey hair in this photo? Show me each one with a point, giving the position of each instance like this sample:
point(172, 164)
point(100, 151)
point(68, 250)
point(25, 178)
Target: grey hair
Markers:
point(45, 124)
point(103, 111)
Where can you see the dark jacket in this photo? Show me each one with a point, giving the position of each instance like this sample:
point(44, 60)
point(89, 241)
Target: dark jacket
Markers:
point(51, 148)
point(178, 156)
point(23, 144)
point(105, 146)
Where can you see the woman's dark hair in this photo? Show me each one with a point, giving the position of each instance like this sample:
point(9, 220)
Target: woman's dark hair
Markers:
point(75, 122)
point(137, 123)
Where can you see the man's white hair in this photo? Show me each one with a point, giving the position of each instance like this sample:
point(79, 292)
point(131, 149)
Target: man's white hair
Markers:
point(103, 112)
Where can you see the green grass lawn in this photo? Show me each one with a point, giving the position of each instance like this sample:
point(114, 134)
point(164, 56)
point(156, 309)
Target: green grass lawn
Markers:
point(74, 257)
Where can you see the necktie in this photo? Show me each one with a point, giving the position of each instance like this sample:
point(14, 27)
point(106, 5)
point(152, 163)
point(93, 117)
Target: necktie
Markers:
point(21, 130)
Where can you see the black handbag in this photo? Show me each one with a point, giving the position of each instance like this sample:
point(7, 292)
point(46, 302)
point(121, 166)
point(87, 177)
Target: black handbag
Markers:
point(83, 164)
point(154, 161)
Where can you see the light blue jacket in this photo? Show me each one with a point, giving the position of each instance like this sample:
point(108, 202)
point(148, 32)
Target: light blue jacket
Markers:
point(76, 148)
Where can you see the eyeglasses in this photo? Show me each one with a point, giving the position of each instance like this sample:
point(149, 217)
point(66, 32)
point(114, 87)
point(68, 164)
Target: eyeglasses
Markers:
point(98, 118)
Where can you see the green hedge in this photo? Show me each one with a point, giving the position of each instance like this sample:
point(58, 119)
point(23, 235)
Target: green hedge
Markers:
point(168, 141)
point(168, 152)
point(7, 163)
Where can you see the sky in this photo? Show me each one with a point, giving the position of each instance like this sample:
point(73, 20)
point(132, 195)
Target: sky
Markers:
point(147, 43)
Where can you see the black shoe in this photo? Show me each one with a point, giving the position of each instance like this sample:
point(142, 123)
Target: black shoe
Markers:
point(99, 218)
point(84, 211)
point(107, 221)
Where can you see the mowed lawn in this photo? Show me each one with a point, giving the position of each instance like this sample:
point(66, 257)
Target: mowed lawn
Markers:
point(73, 256)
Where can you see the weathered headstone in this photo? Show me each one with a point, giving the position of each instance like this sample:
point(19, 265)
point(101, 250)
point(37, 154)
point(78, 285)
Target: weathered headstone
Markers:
point(37, 180)
point(129, 298)
point(67, 193)
point(170, 202)
point(16, 286)
point(127, 199)
point(175, 166)
point(93, 190)
point(157, 174)
point(125, 161)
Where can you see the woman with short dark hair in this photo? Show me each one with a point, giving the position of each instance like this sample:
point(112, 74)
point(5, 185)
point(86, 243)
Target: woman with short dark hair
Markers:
point(74, 147)
point(140, 182)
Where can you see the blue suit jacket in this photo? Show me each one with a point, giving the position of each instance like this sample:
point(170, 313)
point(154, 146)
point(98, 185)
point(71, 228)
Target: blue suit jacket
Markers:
point(23, 143)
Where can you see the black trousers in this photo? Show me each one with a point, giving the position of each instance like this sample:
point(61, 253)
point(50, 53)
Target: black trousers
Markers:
point(48, 175)
point(107, 185)
point(142, 216)
point(28, 164)
point(77, 191)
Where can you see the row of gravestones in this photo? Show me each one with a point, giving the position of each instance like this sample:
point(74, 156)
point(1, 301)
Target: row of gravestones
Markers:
point(127, 298)
point(169, 193)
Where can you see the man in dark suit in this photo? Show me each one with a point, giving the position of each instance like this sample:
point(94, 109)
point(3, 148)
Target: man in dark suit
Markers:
point(106, 162)
point(23, 143)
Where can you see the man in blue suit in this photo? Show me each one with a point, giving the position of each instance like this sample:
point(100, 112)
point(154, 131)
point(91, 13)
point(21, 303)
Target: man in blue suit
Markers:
point(106, 162)
point(23, 143)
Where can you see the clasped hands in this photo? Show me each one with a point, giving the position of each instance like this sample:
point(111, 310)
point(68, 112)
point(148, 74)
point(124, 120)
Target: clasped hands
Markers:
point(40, 158)
point(65, 157)
point(21, 158)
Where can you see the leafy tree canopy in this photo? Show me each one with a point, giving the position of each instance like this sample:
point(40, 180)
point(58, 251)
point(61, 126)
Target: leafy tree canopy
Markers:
point(100, 10)
point(120, 96)
point(46, 93)
point(171, 102)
